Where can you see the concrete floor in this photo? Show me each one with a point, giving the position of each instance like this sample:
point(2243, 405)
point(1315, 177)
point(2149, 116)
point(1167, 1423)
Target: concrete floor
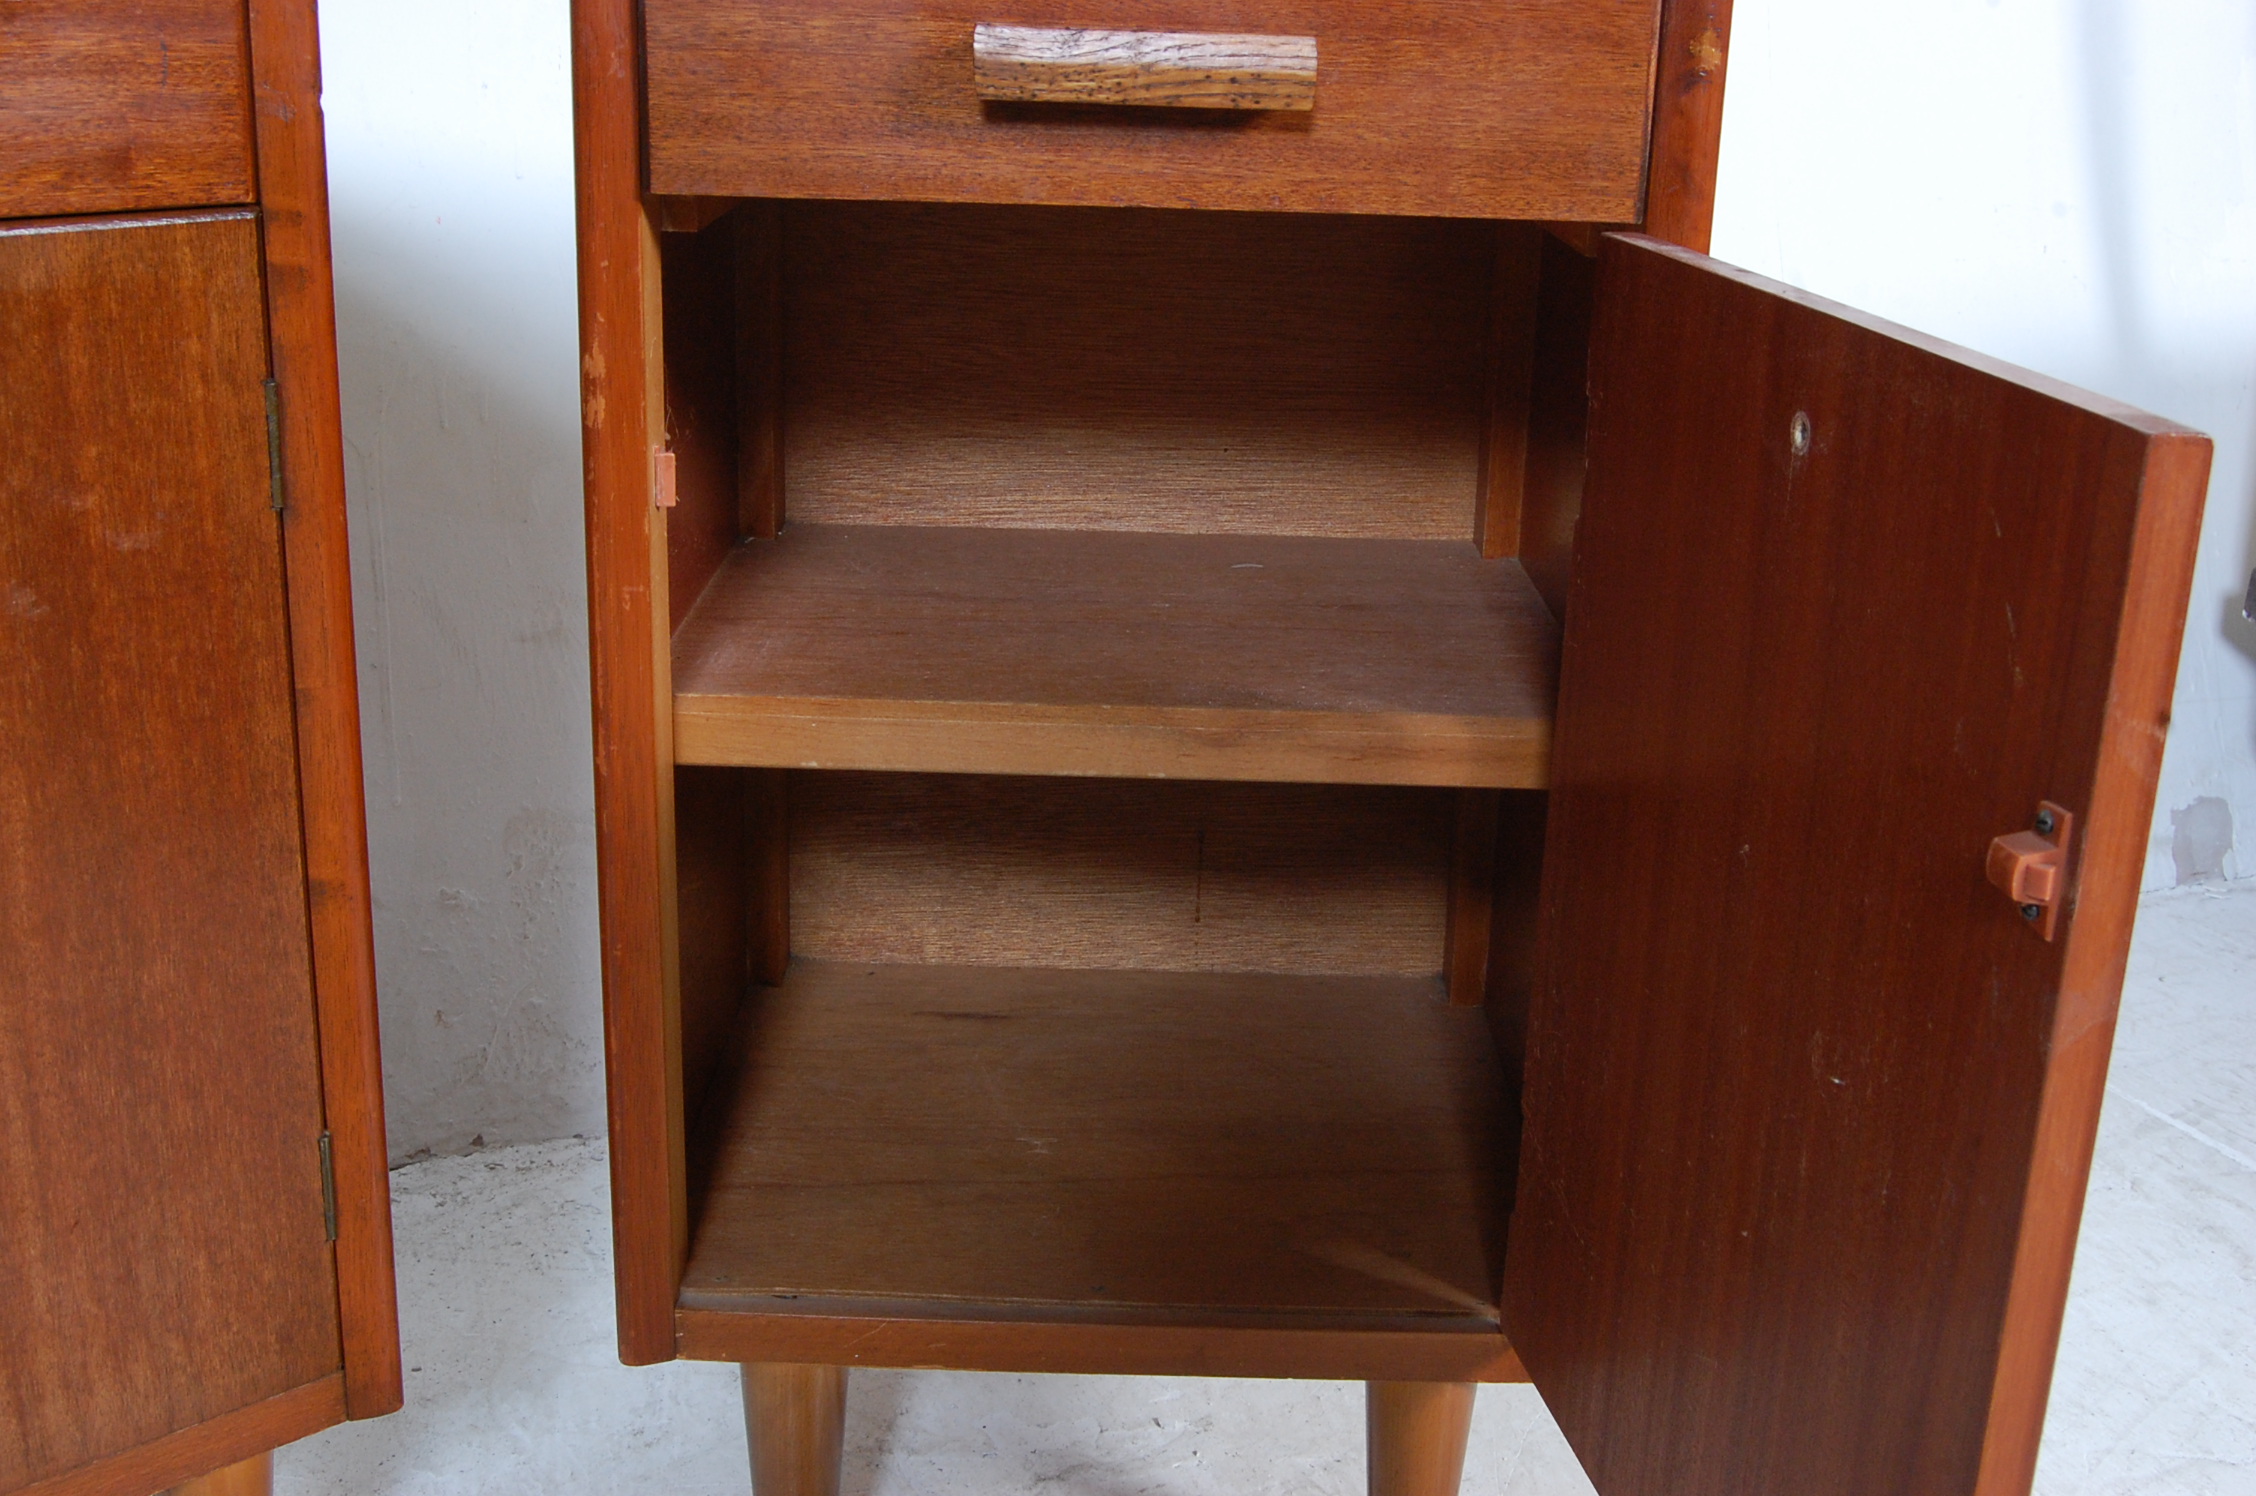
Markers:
point(513, 1387)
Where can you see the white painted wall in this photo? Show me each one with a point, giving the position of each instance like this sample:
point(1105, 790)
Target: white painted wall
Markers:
point(2068, 184)
point(2071, 185)
point(450, 175)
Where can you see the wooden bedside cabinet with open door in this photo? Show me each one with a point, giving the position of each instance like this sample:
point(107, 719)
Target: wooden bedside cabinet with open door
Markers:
point(1230, 742)
point(195, 1232)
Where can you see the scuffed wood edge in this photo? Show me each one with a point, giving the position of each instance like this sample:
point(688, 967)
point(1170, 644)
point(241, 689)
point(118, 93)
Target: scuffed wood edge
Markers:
point(621, 422)
point(1680, 172)
point(1500, 483)
point(2104, 901)
point(1472, 895)
point(302, 329)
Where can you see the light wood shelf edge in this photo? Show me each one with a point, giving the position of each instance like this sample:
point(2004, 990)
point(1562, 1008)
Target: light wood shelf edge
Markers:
point(1119, 655)
point(1120, 743)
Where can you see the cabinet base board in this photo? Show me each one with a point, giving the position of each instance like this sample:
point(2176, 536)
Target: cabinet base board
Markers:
point(1097, 1349)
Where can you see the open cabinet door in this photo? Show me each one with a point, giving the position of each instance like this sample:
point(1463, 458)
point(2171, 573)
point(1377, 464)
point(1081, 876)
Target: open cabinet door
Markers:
point(169, 1274)
point(1810, 1102)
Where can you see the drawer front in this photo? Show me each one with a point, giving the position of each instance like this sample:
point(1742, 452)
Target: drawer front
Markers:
point(111, 106)
point(1460, 108)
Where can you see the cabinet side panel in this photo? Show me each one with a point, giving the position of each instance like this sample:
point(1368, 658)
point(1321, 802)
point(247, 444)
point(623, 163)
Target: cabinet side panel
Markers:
point(1512, 923)
point(120, 105)
point(716, 852)
point(160, 1077)
point(1558, 412)
point(621, 397)
point(1680, 170)
point(1167, 876)
point(302, 335)
point(701, 408)
point(758, 304)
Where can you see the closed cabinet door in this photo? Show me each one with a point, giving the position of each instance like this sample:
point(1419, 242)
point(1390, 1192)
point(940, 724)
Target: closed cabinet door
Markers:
point(165, 1251)
point(1866, 663)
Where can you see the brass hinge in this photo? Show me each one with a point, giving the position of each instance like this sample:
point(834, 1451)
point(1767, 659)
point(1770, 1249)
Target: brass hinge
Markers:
point(274, 452)
point(328, 1189)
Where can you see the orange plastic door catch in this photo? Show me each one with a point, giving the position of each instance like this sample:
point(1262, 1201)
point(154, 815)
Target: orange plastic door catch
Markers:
point(2031, 867)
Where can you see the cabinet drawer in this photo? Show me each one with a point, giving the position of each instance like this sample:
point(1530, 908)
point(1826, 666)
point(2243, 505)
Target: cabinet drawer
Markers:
point(112, 106)
point(1457, 108)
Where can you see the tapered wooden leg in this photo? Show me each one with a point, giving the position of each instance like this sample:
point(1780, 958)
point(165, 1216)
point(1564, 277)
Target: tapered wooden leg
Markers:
point(253, 1477)
point(795, 1421)
point(1415, 1436)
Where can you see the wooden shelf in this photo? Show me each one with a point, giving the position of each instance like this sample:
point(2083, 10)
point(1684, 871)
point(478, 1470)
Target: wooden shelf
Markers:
point(1034, 1148)
point(1122, 655)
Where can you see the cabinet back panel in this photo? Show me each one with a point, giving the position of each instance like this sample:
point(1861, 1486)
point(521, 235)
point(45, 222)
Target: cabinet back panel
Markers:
point(1148, 874)
point(1052, 368)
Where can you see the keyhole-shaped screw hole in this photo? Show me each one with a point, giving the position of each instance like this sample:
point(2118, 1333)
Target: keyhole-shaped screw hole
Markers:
point(1798, 434)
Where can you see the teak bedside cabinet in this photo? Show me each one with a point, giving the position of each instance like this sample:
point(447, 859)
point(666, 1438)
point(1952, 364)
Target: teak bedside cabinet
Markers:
point(1228, 741)
point(195, 1222)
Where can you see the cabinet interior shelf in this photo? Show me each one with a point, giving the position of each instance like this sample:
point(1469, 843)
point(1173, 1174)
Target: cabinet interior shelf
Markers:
point(1090, 1147)
point(1128, 655)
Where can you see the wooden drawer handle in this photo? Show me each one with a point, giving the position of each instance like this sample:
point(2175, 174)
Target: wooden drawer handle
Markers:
point(1176, 69)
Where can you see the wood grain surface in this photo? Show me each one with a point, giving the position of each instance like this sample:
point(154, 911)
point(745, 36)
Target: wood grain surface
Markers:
point(1801, 1084)
point(1164, 656)
point(251, 1477)
point(979, 869)
point(302, 346)
point(1132, 1147)
point(2113, 859)
point(795, 1427)
point(769, 829)
point(621, 420)
point(122, 105)
point(1430, 107)
point(1055, 369)
point(160, 1073)
point(213, 1444)
point(1164, 69)
point(1680, 176)
point(1472, 893)
point(1414, 1436)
